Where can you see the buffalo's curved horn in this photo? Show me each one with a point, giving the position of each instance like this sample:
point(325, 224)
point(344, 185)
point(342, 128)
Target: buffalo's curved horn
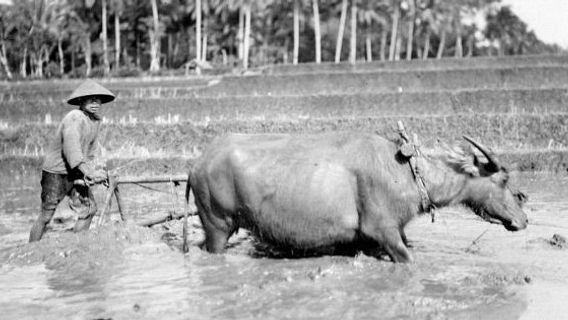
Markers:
point(493, 164)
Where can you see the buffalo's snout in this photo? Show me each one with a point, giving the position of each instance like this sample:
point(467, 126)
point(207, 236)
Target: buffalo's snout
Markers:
point(517, 224)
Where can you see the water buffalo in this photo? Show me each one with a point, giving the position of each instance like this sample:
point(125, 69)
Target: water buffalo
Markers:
point(315, 191)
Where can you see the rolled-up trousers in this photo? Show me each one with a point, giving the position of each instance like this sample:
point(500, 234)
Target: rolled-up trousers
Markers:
point(54, 187)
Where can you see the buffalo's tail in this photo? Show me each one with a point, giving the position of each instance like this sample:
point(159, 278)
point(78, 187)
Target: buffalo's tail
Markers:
point(185, 247)
point(188, 187)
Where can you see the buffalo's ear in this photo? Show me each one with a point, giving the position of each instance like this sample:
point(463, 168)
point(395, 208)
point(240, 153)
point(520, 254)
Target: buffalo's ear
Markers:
point(471, 168)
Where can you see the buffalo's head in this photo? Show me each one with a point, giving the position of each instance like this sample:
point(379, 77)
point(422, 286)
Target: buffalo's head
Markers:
point(488, 194)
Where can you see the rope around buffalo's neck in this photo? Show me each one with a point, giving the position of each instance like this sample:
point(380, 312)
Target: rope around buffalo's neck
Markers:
point(411, 151)
point(425, 202)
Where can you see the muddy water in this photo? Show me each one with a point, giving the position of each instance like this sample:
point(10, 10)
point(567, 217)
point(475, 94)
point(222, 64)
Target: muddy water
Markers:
point(122, 271)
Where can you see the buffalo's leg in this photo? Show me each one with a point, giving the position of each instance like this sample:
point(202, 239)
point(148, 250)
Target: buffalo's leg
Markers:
point(215, 240)
point(404, 238)
point(391, 240)
point(394, 244)
point(217, 231)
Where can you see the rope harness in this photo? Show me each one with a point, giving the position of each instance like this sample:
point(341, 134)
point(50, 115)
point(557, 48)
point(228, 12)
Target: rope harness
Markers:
point(412, 151)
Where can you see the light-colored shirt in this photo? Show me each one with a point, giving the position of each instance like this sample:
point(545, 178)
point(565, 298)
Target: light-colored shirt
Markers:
point(75, 142)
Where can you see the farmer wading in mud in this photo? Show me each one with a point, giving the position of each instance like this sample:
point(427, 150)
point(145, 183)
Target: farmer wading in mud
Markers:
point(70, 156)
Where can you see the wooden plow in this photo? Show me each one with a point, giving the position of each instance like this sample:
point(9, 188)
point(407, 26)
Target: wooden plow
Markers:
point(114, 183)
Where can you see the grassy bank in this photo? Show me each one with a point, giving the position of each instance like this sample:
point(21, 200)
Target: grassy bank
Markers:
point(389, 81)
point(430, 64)
point(317, 83)
point(500, 131)
point(298, 107)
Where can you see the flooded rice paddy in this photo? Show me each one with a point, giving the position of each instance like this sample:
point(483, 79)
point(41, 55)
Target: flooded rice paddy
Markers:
point(465, 268)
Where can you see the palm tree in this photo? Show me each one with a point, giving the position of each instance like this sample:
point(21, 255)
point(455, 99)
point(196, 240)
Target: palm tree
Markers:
point(371, 12)
point(246, 40)
point(411, 20)
point(198, 30)
point(366, 15)
point(48, 22)
point(6, 26)
point(426, 16)
point(244, 27)
point(117, 7)
point(317, 32)
point(340, 32)
point(395, 17)
point(296, 31)
point(155, 35)
point(353, 38)
point(104, 35)
point(442, 24)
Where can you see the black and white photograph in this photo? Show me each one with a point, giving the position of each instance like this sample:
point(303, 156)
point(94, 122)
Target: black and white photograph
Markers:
point(292, 159)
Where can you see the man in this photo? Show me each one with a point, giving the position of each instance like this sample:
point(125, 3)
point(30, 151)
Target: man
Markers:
point(70, 156)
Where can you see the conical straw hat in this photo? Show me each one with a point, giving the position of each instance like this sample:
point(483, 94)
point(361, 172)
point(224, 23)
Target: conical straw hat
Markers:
point(90, 88)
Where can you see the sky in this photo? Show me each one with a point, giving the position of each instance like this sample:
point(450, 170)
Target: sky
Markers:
point(547, 18)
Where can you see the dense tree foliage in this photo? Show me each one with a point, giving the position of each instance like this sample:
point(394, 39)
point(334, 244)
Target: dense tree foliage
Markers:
point(77, 38)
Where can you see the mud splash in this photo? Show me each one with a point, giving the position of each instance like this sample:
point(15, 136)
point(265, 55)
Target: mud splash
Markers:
point(123, 271)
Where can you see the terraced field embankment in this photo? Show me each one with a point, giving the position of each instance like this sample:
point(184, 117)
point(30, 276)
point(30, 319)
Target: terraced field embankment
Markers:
point(430, 64)
point(517, 106)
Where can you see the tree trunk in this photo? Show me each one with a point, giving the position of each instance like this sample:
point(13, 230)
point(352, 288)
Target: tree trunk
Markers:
point(72, 60)
point(427, 44)
point(169, 51)
point(204, 47)
point(61, 57)
point(176, 45)
point(469, 47)
point(398, 48)
point(459, 45)
point(368, 47)
point(40, 58)
point(204, 37)
point(266, 41)
point(500, 48)
point(339, 42)
point(317, 32)
point(4, 59)
point(198, 30)
point(88, 56)
point(138, 51)
point(35, 64)
point(155, 40)
point(23, 65)
point(246, 40)
point(285, 53)
point(353, 38)
point(442, 44)
point(296, 31)
point(410, 40)
point(394, 29)
point(44, 58)
point(384, 35)
point(116, 40)
point(240, 33)
point(104, 36)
